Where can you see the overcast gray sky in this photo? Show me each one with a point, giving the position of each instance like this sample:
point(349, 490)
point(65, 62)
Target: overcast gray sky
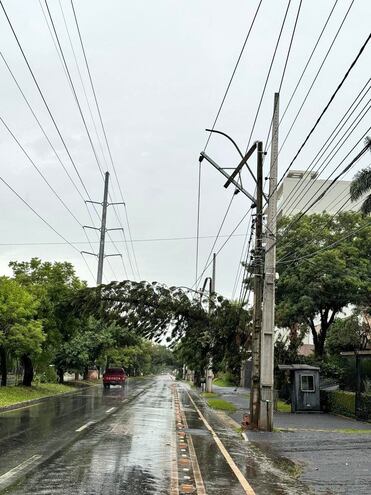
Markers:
point(160, 70)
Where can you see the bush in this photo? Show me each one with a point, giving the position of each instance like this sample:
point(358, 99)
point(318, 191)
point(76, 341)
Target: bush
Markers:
point(225, 379)
point(339, 402)
point(48, 376)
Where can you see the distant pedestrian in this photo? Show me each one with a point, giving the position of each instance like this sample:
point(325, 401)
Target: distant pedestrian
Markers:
point(203, 383)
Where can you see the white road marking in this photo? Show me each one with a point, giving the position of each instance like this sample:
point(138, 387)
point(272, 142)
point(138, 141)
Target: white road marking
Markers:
point(111, 409)
point(15, 470)
point(85, 426)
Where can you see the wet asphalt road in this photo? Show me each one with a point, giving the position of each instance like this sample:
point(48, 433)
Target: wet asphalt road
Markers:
point(128, 441)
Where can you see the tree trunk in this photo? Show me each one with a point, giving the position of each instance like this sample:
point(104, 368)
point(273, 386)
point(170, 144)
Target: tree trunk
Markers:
point(60, 373)
point(3, 366)
point(27, 370)
point(86, 373)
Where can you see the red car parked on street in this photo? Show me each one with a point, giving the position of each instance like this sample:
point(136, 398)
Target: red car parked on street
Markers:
point(114, 376)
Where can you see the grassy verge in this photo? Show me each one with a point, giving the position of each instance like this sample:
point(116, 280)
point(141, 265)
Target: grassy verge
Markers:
point(209, 395)
point(223, 382)
point(221, 405)
point(283, 407)
point(15, 395)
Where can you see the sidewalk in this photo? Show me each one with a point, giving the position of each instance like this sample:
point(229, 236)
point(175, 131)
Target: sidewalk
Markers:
point(332, 452)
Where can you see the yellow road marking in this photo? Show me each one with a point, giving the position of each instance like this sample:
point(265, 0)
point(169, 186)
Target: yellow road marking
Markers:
point(174, 484)
point(200, 487)
point(241, 478)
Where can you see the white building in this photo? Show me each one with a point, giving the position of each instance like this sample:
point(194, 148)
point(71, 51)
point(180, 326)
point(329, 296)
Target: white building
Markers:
point(300, 188)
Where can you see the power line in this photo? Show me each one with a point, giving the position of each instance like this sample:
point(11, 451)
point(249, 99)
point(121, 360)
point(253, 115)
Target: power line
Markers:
point(38, 214)
point(198, 219)
point(106, 140)
point(40, 126)
point(335, 132)
point(218, 233)
point(43, 219)
point(303, 72)
point(43, 98)
point(223, 245)
point(325, 248)
point(243, 267)
point(233, 73)
point(39, 171)
point(81, 81)
point(74, 90)
point(314, 80)
point(325, 109)
point(51, 145)
point(285, 65)
point(302, 213)
point(269, 72)
point(48, 110)
point(239, 267)
point(342, 198)
point(330, 157)
point(213, 127)
point(78, 106)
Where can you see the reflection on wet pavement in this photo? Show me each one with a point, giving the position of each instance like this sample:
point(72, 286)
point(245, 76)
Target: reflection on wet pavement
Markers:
point(265, 477)
point(127, 453)
point(146, 439)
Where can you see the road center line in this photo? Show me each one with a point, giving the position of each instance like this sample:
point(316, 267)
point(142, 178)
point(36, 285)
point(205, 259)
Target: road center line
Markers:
point(111, 409)
point(15, 470)
point(241, 478)
point(85, 426)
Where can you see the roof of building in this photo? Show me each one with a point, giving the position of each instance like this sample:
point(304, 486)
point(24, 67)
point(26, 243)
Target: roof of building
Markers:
point(293, 367)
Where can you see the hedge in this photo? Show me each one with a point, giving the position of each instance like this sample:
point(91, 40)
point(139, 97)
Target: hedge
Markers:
point(339, 402)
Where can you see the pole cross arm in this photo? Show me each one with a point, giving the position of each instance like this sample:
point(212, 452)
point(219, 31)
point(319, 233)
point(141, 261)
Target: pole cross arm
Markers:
point(117, 254)
point(241, 164)
point(116, 228)
point(207, 280)
point(116, 203)
point(88, 227)
point(88, 252)
point(231, 180)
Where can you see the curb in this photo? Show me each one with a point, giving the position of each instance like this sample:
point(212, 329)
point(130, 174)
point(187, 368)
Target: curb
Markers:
point(25, 403)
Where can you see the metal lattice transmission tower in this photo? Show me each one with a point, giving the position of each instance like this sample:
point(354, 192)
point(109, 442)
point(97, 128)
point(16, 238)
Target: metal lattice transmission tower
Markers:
point(103, 229)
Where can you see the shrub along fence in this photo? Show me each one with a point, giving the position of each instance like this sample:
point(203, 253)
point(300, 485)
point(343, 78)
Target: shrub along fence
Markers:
point(340, 402)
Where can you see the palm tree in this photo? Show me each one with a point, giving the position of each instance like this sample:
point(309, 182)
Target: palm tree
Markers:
point(361, 184)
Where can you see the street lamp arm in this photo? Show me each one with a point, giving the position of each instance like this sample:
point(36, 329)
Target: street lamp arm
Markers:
point(228, 137)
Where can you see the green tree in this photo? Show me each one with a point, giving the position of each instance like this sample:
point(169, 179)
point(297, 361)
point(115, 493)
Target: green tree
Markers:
point(20, 332)
point(324, 265)
point(91, 339)
point(55, 285)
point(348, 334)
point(361, 185)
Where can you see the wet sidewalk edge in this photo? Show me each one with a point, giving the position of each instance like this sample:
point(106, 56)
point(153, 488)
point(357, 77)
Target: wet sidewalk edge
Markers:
point(289, 466)
point(25, 403)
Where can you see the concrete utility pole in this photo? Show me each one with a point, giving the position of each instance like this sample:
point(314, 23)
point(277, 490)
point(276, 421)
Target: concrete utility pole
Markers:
point(235, 179)
point(268, 323)
point(209, 371)
point(258, 294)
point(103, 229)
